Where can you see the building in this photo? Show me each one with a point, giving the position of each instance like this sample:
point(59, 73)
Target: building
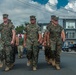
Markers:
point(69, 25)
point(43, 26)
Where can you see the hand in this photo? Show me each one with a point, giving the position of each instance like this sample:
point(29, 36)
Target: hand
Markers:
point(48, 44)
point(44, 43)
point(40, 41)
point(16, 44)
point(24, 44)
point(63, 40)
point(12, 42)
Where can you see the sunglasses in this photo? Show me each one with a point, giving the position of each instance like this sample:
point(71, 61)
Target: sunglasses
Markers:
point(32, 19)
point(56, 20)
point(4, 17)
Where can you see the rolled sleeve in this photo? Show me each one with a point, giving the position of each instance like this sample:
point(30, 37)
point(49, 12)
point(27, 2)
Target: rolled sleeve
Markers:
point(61, 28)
point(13, 27)
point(39, 30)
point(47, 28)
point(0, 27)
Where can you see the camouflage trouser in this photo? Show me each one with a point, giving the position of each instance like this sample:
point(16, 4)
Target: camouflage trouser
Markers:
point(32, 53)
point(48, 52)
point(13, 53)
point(1, 55)
point(1, 51)
point(8, 54)
point(20, 50)
point(56, 48)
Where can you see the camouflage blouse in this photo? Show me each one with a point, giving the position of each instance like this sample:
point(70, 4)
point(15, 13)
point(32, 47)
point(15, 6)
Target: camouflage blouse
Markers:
point(32, 31)
point(6, 33)
point(55, 31)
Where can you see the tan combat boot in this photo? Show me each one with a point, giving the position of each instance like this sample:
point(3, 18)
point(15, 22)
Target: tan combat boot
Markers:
point(53, 62)
point(1, 64)
point(7, 68)
point(50, 61)
point(28, 63)
point(57, 67)
point(34, 68)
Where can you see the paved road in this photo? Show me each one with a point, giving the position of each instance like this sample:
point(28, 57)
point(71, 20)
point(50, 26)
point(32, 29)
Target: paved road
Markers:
point(68, 66)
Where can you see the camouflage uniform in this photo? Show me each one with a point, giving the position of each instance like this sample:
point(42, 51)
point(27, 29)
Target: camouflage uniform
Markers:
point(6, 37)
point(32, 31)
point(47, 51)
point(13, 46)
point(56, 41)
point(1, 53)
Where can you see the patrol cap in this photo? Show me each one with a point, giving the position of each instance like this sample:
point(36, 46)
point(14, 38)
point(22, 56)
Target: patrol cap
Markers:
point(54, 17)
point(5, 15)
point(32, 17)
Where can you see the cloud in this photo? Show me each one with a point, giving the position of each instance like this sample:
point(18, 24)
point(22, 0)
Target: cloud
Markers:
point(53, 2)
point(71, 5)
point(68, 11)
point(51, 5)
point(20, 10)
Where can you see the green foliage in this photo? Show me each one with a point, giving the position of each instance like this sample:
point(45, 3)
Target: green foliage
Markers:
point(19, 29)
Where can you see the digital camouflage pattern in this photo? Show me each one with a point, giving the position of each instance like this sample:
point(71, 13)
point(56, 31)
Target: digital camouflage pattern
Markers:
point(56, 41)
point(6, 37)
point(32, 32)
point(1, 49)
point(13, 46)
point(5, 15)
point(6, 33)
point(32, 17)
point(47, 50)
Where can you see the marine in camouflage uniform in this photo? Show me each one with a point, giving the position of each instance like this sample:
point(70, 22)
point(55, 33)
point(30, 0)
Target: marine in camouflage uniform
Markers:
point(8, 37)
point(56, 36)
point(33, 37)
point(48, 51)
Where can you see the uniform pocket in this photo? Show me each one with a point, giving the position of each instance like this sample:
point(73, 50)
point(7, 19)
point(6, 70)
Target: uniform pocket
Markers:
point(59, 42)
point(53, 45)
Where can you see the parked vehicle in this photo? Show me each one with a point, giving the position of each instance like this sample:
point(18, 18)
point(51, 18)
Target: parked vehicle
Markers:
point(65, 48)
point(72, 47)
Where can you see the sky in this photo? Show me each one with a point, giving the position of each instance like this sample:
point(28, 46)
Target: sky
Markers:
point(61, 3)
point(41, 1)
point(20, 10)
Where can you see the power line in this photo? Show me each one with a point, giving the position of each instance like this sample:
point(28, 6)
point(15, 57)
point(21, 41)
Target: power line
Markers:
point(40, 8)
point(33, 6)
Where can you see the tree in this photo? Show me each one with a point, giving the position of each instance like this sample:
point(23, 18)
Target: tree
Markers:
point(19, 29)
